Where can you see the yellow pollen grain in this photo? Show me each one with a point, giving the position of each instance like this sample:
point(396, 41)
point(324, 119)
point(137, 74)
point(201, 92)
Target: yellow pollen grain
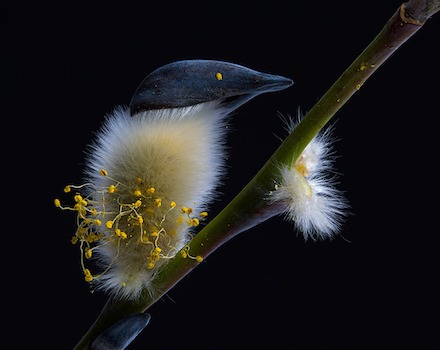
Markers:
point(219, 76)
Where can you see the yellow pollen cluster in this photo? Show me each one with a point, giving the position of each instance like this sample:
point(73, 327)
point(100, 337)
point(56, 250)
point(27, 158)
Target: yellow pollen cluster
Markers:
point(130, 219)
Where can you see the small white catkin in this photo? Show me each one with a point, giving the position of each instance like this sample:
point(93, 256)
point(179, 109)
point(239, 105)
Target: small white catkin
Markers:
point(307, 189)
point(150, 178)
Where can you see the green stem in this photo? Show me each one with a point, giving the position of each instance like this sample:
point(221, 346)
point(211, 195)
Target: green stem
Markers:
point(249, 208)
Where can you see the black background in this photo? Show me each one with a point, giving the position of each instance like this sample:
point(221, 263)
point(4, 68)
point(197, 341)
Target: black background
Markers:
point(371, 287)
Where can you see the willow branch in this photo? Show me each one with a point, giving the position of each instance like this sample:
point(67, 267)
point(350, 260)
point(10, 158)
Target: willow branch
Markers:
point(249, 208)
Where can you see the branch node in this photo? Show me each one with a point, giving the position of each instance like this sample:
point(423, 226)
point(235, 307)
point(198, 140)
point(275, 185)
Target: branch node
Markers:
point(406, 17)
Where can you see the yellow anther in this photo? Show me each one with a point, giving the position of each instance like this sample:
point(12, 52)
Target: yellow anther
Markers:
point(203, 214)
point(151, 190)
point(180, 219)
point(157, 249)
point(103, 172)
point(78, 198)
point(184, 210)
point(57, 202)
point(93, 211)
point(88, 253)
point(172, 204)
point(219, 76)
point(138, 180)
point(137, 193)
point(150, 265)
point(140, 219)
point(154, 234)
point(195, 222)
point(189, 210)
point(87, 275)
point(67, 189)
point(158, 202)
point(123, 235)
point(97, 222)
point(199, 258)
point(137, 204)
point(84, 203)
point(111, 189)
point(74, 240)
point(184, 254)
point(109, 224)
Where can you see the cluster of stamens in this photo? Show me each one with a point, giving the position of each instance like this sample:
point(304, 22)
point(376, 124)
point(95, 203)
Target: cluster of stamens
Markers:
point(128, 217)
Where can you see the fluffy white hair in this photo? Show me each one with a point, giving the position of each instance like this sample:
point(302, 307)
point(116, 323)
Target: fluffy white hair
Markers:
point(307, 189)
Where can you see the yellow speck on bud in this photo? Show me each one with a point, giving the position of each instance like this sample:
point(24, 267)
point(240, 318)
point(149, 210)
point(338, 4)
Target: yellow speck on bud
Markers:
point(199, 258)
point(219, 76)
point(103, 172)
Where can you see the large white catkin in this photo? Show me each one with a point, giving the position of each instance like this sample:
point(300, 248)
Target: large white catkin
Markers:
point(181, 154)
